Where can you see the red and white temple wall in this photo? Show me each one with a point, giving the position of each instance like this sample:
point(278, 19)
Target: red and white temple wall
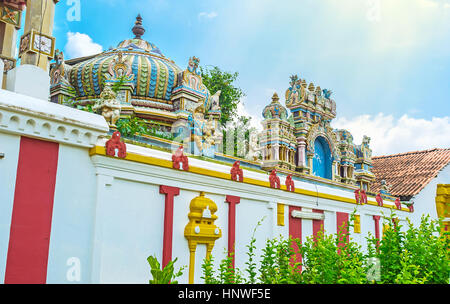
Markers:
point(70, 213)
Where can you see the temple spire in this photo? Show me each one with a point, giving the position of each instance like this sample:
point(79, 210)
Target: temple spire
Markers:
point(138, 29)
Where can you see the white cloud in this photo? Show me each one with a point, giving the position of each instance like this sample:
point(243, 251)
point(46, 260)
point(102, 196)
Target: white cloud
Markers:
point(79, 45)
point(206, 15)
point(389, 135)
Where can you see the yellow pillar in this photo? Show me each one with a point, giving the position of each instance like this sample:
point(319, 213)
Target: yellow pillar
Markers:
point(39, 19)
point(192, 248)
point(443, 204)
point(280, 214)
point(357, 224)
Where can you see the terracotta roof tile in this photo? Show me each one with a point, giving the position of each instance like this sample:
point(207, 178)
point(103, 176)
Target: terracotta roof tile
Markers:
point(408, 173)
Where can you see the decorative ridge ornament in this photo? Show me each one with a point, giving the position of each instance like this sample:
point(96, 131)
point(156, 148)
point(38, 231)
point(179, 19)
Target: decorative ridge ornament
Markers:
point(357, 197)
point(363, 197)
point(360, 197)
point(274, 179)
point(178, 157)
point(236, 173)
point(290, 186)
point(115, 147)
point(379, 200)
point(398, 204)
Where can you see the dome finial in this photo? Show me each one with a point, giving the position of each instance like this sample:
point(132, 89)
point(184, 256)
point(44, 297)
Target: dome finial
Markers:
point(138, 29)
point(275, 98)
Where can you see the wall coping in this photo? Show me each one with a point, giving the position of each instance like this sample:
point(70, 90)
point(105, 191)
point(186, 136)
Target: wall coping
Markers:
point(159, 158)
point(28, 116)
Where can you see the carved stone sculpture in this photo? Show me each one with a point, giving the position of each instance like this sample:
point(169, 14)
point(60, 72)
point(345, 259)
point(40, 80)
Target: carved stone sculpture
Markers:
point(108, 105)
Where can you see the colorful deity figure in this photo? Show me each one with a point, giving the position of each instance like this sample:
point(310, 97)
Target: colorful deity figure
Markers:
point(203, 131)
point(192, 81)
point(385, 188)
point(61, 91)
point(193, 64)
point(58, 69)
point(293, 93)
point(108, 105)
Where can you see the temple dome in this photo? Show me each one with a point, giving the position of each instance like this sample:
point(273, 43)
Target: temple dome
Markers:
point(275, 109)
point(155, 76)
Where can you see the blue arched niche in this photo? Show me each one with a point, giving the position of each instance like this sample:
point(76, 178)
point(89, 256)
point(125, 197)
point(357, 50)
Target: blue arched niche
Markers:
point(322, 158)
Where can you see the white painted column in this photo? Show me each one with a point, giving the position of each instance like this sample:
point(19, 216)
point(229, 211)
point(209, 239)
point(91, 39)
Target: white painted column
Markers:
point(104, 183)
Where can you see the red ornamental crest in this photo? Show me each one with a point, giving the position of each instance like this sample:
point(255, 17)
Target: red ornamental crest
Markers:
point(360, 197)
point(363, 197)
point(379, 200)
point(290, 186)
point(357, 197)
point(236, 173)
point(179, 158)
point(398, 204)
point(274, 179)
point(115, 147)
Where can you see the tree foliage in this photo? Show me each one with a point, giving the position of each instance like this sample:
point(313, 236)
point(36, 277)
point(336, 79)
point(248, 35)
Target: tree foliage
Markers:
point(215, 79)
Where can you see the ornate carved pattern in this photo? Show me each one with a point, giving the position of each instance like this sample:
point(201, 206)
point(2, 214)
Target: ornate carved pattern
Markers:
point(9, 63)
point(17, 4)
point(10, 15)
point(119, 68)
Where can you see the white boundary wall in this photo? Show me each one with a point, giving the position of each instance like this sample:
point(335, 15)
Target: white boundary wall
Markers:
point(108, 213)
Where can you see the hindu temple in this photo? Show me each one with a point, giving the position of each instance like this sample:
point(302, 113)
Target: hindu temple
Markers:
point(83, 201)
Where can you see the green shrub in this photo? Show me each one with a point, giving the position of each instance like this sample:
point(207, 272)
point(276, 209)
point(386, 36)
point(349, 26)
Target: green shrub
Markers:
point(333, 259)
point(166, 275)
point(405, 255)
point(416, 255)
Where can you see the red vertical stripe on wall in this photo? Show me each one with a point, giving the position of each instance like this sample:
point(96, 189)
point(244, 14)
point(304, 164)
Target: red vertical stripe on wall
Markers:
point(376, 218)
point(317, 224)
point(295, 231)
point(170, 193)
point(32, 212)
point(342, 218)
point(232, 202)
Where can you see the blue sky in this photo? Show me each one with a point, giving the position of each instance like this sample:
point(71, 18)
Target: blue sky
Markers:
point(386, 61)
